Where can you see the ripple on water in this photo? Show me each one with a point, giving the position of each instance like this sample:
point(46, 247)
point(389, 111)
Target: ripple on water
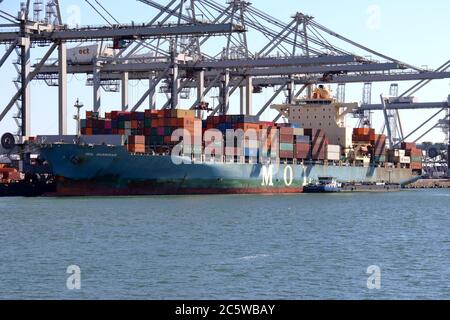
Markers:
point(222, 247)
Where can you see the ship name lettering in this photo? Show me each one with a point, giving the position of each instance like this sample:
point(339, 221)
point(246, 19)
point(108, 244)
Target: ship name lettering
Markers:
point(267, 175)
point(288, 176)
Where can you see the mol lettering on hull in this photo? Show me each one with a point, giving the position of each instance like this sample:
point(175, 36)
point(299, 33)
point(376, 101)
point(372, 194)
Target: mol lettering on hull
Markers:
point(267, 172)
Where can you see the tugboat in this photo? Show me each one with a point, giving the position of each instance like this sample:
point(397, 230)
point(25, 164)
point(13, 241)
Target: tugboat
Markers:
point(324, 185)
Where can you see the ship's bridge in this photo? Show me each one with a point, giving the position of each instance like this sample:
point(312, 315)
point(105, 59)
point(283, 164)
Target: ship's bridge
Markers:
point(326, 114)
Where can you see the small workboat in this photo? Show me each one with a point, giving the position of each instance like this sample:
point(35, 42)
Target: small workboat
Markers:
point(324, 185)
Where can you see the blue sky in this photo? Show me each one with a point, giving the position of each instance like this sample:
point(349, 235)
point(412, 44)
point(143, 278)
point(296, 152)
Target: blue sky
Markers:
point(412, 31)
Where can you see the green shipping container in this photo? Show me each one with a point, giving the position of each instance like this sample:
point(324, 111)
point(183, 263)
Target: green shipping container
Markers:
point(286, 147)
point(156, 140)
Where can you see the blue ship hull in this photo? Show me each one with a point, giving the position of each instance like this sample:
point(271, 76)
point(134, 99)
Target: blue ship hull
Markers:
point(82, 170)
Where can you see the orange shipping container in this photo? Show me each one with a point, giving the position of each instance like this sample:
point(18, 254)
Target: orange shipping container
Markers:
point(138, 148)
point(363, 131)
point(248, 126)
point(173, 122)
point(416, 153)
point(161, 114)
point(136, 140)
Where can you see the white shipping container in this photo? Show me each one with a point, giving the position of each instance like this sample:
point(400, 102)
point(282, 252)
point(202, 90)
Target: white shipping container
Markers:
point(87, 54)
point(299, 132)
point(332, 156)
point(405, 160)
point(334, 148)
point(400, 153)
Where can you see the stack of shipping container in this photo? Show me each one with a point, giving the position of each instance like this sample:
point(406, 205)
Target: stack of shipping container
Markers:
point(136, 144)
point(302, 147)
point(8, 175)
point(236, 122)
point(319, 143)
point(152, 128)
point(379, 149)
point(286, 143)
point(415, 154)
point(151, 131)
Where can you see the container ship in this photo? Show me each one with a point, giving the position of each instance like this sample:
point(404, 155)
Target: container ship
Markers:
point(132, 153)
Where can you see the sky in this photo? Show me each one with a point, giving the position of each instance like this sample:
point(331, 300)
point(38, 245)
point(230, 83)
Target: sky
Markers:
point(413, 31)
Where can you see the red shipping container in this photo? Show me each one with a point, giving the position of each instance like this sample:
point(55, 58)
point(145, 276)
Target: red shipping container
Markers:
point(286, 154)
point(408, 146)
point(302, 147)
point(114, 115)
point(14, 176)
point(302, 155)
point(286, 131)
point(167, 139)
point(167, 113)
point(286, 138)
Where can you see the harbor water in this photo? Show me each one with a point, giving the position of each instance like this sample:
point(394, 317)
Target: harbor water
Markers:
point(228, 247)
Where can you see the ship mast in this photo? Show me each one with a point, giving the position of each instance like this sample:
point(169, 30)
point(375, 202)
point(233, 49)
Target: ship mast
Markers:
point(78, 106)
